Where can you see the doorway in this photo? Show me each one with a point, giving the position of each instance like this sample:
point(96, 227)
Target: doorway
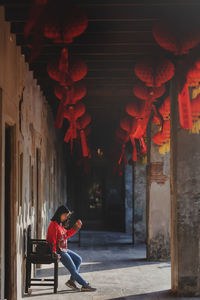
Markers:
point(9, 215)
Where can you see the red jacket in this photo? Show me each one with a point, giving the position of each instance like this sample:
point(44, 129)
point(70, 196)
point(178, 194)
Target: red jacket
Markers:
point(58, 235)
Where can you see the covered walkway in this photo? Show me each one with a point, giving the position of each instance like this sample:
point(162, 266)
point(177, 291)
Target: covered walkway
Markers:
point(100, 111)
point(118, 269)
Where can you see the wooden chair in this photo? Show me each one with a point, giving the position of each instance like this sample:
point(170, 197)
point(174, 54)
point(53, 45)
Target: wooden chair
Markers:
point(34, 255)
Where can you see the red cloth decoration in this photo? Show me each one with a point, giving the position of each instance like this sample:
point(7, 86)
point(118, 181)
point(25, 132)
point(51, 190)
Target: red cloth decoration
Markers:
point(185, 113)
point(154, 71)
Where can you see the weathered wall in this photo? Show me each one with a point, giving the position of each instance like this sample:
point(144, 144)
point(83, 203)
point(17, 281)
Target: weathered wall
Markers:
point(158, 203)
point(37, 131)
point(140, 203)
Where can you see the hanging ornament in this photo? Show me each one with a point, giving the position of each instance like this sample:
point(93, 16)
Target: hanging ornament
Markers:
point(185, 113)
point(82, 123)
point(76, 70)
point(175, 38)
point(154, 71)
point(144, 92)
point(64, 22)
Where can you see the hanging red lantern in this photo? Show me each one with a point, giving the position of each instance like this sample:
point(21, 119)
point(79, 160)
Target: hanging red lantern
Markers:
point(128, 124)
point(82, 123)
point(144, 92)
point(177, 39)
point(154, 71)
point(193, 76)
point(77, 69)
point(71, 94)
point(72, 113)
point(64, 22)
point(133, 108)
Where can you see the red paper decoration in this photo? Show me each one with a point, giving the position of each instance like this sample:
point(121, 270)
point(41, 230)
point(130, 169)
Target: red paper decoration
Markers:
point(64, 22)
point(76, 71)
point(133, 108)
point(154, 71)
point(82, 123)
point(71, 95)
point(185, 113)
point(143, 92)
point(171, 38)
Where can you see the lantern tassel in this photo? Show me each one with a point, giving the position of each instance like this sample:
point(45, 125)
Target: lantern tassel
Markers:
point(134, 156)
point(59, 116)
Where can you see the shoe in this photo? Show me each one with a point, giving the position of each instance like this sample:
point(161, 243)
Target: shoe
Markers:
point(87, 288)
point(71, 284)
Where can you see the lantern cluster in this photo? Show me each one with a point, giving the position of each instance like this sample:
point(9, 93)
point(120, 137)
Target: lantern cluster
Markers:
point(69, 90)
point(60, 21)
point(179, 36)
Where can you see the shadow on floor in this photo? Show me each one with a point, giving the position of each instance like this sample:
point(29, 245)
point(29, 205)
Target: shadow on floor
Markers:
point(104, 265)
point(165, 295)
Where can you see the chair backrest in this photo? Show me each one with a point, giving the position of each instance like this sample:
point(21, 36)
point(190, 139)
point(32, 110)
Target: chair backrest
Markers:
point(29, 245)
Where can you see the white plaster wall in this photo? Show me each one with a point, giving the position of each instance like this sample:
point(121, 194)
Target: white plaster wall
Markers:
point(37, 131)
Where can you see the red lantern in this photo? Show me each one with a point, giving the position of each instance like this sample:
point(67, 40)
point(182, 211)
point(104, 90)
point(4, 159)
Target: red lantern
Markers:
point(71, 94)
point(143, 92)
point(193, 76)
point(171, 38)
point(128, 124)
point(133, 108)
point(72, 113)
point(64, 22)
point(82, 123)
point(154, 71)
point(76, 71)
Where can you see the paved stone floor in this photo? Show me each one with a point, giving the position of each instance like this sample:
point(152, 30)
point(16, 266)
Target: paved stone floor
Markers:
point(115, 267)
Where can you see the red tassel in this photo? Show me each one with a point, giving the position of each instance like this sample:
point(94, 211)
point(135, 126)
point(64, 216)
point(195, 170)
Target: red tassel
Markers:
point(142, 144)
point(123, 154)
point(134, 156)
point(84, 144)
point(68, 135)
point(185, 113)
point(59, 116)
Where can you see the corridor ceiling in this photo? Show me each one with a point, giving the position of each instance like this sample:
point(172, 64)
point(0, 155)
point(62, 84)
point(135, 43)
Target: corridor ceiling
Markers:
point(118, 34)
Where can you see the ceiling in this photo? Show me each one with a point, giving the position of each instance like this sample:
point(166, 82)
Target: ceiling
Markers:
point(118, 34)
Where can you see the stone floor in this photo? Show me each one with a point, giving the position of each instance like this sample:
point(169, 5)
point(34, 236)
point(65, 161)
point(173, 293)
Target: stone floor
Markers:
point(115, 267)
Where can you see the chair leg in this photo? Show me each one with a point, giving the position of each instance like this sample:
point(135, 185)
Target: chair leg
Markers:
point(28, 275)
point(55, 277)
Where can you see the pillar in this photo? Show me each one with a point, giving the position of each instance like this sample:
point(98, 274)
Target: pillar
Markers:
point(140, 175)
point(128, 182)
point(158, 201)
point(185, 205)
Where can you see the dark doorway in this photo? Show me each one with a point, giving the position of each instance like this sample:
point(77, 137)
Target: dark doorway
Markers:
point(8, 214)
